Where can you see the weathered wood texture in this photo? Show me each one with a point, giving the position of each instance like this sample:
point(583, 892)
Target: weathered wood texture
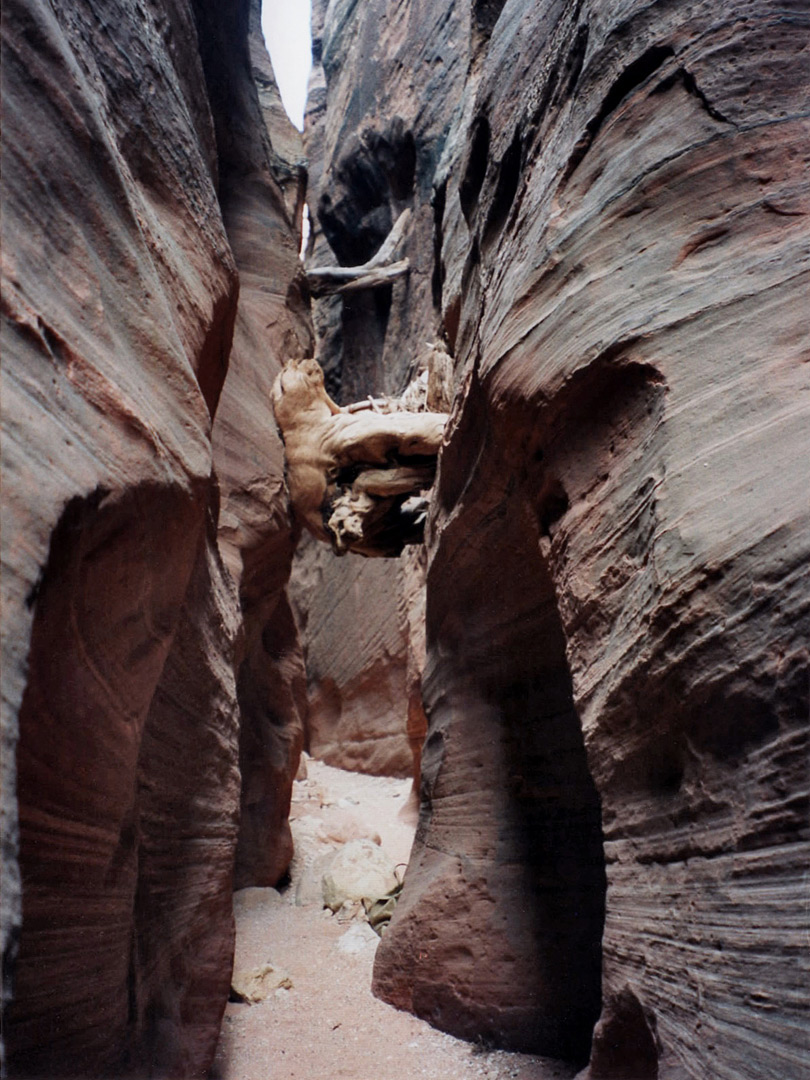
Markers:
point(353, 473)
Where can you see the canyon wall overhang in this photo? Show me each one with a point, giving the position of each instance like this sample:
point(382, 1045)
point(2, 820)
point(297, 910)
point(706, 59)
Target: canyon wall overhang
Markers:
point(141, 190)
point(610, 232)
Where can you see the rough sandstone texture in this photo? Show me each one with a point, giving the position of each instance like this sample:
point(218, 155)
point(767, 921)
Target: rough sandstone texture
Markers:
point(355, 640)
point(261, 195)
point(610, 232)
point(137, 175)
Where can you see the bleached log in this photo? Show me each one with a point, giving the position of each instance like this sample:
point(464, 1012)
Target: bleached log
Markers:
point(368, 404)
point(321, 283)
point(389, 246)
point(357, 478)
point(379, 270)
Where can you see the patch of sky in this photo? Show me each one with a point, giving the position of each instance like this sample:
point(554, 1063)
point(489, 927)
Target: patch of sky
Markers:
point(286, 29)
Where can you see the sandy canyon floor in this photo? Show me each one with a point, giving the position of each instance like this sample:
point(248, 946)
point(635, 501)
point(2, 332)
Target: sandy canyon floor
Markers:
point(323, 1023)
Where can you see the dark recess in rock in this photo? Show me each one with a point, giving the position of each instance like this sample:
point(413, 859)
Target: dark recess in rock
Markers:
point(395, 149)
point(476, 167)
point(356, 236)
point(88, 708)
point(573, 65)
point(509, 172)
point(437, 277)
point(625, 1044)
point(486, 14)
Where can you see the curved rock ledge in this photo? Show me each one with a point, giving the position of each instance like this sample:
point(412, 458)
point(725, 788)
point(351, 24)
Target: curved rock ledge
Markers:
point(140, 198)
point(610, 222)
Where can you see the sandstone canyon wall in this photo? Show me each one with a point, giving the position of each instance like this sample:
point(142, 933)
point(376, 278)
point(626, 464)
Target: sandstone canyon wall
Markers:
point(372, 138)
point(362, 624)
point(142, 192)
point(610, 236)
point(261, 195)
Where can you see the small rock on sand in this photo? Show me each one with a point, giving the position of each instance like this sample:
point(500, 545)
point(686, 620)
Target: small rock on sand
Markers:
point(357, 939)
point(254, 985)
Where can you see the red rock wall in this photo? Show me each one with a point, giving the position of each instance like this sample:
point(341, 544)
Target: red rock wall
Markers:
point(617, 618)
point(137, 172)
point(355, 636)
point(261, 209)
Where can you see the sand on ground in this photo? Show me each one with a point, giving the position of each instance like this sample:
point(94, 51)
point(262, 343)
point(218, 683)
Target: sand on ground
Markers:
point(327, 1025)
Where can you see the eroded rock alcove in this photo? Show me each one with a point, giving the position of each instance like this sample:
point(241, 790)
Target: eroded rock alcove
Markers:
point(151, 286)
point(601, 272)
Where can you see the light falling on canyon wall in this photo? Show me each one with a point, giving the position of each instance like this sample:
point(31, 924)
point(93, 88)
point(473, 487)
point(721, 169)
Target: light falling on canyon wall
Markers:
point(152, 203)
point(608, 250)
point(610, 240)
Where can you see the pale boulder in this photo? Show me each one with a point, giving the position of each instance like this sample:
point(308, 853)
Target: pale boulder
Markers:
point(359, 871)
point(358, 939)
point(256, 900)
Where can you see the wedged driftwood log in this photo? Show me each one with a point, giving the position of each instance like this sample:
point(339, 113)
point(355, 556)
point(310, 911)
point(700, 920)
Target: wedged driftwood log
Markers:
point(379, 270)
point(357, 476)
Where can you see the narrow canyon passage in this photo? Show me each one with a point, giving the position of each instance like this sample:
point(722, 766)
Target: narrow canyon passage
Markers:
point(574, 237)
point(319, 1020)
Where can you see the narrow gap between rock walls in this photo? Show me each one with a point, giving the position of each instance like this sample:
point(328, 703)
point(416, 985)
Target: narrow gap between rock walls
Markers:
point(301, 1005)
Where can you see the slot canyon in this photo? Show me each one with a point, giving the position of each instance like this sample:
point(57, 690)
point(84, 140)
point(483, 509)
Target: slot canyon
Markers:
point(579, 229)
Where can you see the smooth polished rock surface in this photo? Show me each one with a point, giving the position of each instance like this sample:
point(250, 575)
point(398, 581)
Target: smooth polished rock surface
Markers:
point(133, 148)
point(355, 639)
point(119, 297)
point(610, 234)
point(259, 193)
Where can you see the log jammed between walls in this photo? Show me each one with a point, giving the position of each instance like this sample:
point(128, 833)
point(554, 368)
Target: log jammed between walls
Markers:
point(381, 269)
point(359, 476)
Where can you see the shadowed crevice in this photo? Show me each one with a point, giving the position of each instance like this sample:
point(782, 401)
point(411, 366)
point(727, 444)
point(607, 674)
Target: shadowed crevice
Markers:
point(633, 76)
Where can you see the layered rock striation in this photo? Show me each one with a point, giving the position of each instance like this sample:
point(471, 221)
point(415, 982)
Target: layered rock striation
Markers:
point(610, 236)
point(607, 270)
point(355, 635)
point(139, 195)
point(261, 193)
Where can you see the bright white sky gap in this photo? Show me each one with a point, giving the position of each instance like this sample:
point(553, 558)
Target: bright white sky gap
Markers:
point(285, 24)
